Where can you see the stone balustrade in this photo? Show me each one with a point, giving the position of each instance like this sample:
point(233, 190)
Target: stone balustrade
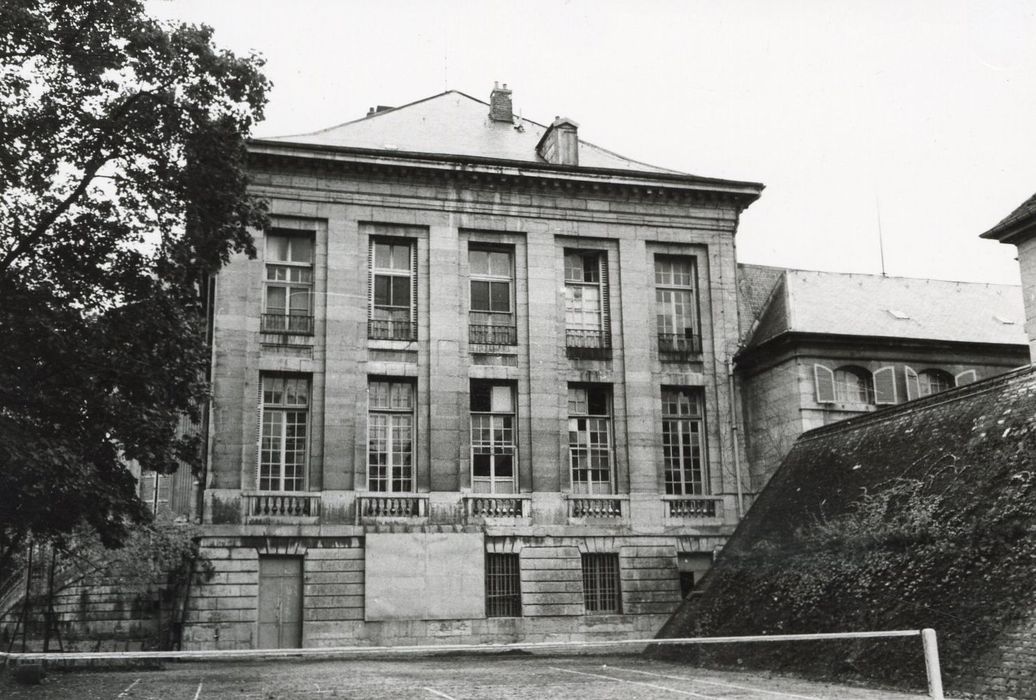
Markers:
point(615, 508)
point(404, 506)
point(692, 507)
point(485, 505)
point(282, 504)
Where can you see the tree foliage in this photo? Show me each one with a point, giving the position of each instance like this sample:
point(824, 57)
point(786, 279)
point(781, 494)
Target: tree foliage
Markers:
point(122, 189)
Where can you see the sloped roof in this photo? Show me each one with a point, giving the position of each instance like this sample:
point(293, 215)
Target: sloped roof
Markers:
point(850, 304)
point(453, 123)
point(973, 446)
point(1021, 216)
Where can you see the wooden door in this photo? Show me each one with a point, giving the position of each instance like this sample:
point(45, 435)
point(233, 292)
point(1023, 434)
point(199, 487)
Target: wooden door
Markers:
point(280, 602)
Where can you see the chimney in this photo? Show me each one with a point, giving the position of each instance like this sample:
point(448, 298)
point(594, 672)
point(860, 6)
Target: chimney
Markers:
point(560, 143)
point(500, 104)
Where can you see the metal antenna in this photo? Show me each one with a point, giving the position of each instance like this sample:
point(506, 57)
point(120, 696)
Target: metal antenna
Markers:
point(881, 238)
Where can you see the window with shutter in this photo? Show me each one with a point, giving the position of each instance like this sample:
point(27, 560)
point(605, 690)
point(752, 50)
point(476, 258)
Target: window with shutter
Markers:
point(587, 324)
point(885, 386)
point(824, 383)
point(966, 377)
point(932, 381)
point(854, 385)
point(912, 389)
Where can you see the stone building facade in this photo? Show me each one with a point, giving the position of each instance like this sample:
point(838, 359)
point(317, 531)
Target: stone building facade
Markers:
point(821, 347)
point(474, 387)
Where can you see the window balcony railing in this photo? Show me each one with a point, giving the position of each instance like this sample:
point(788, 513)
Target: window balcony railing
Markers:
point(487, 505)
point(391, 506)
point(588, 344)
point(383, 329)
point(678, 346)
point(692, 507)
point(295, 324)
point(481, 334)
point(282, 504)
point(614, 508)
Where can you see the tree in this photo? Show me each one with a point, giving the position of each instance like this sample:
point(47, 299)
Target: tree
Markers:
point(122, 189)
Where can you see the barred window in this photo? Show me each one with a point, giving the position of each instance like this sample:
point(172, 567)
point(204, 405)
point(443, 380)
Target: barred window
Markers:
point(503, 586)
point(601, 593)
point(390, 436)
point(682, 439)
point(284, 422)
point(589, 438)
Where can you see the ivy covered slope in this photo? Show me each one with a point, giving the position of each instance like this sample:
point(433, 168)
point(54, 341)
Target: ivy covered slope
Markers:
point(917, 516)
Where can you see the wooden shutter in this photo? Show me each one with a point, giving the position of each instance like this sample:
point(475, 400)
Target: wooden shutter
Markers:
point(885, 386)
point(824, 381)
point(913, 385)
point(258, 433)
point(966, 377)
point(370, 278)
point(606, 326)
point(413, 287)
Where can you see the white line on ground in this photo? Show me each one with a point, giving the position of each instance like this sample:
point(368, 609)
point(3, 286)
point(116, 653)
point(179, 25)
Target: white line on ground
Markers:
point(719, 683)
point(646, 685)
point(197, 693)
point(128, 688)
point(441, 695)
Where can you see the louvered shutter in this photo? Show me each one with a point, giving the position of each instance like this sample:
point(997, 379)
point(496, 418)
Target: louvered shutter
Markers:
point(606, 326)
point(885, 385)
point(370, 280)
point(966, 377)
point(258, 433)
point(913, 385)
point(824, 381)
point(413, 290)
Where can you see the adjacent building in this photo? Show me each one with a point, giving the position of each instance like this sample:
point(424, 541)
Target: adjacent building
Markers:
point(474, 387)
point(821, 347)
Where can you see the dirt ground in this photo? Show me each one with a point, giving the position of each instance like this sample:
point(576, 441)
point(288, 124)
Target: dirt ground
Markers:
point(428, 678)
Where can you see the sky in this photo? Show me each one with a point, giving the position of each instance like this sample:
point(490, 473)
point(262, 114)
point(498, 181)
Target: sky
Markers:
point(904, 121)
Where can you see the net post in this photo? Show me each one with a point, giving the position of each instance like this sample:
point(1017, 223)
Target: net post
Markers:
point(931, 662)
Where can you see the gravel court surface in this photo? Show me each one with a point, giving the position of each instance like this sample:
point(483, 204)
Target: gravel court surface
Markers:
point(427, 678)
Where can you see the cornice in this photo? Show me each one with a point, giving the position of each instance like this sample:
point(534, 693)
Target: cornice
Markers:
point(490, 174)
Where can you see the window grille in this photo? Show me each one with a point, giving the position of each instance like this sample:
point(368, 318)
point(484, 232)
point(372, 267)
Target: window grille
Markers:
point(601, 593)
point(503, 586)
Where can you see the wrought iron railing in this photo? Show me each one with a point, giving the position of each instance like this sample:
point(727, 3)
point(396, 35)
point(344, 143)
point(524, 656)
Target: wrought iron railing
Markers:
point(598, 507)
point(283, 504)
point(485, 505)
point(481, 334)
point(287, 323)
point(691, 507)
point(677, 346)
point(588, 344)
point(383, 329)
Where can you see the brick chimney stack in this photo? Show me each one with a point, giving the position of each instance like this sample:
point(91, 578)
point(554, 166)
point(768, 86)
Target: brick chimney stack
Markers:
point(500, 109)
point(560, 143)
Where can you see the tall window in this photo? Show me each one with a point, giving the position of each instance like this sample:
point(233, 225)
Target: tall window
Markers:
point(393, 312)
point(589, 438)
point(390, 436)
point(503, 586)
point(492, 437)
point(682, 439)
point(677, 323)
point(283, 437)
point(601, 592)
point(932, 381)
point(492, 300)
point(853, 385)
point(586, 304)
point(289, 284)
point(153, 489)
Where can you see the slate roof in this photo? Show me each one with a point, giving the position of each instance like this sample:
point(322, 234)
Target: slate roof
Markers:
point(453, 123)
point(850, 304)
point(1025, 214)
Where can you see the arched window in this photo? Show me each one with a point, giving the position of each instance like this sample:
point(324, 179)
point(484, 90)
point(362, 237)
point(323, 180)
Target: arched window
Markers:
point(932, 381)
point(853, 385)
